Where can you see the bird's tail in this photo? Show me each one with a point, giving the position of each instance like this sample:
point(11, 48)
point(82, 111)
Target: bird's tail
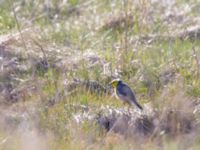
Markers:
point(138, 105)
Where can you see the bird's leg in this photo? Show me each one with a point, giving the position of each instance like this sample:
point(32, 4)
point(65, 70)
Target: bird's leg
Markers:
point(125, 107)
point(124, 103)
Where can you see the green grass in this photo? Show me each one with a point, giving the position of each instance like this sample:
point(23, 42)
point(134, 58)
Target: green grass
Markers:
point(7, 21)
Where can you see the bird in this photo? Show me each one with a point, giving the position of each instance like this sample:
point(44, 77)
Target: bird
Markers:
point(124, 93)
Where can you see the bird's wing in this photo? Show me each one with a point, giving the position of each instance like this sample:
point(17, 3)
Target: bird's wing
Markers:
point(125, 90)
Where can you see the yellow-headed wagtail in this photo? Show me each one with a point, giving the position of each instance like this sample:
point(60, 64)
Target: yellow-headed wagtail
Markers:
point(124, 92)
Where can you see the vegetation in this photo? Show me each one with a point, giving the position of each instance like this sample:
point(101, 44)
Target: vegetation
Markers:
point(57, 58)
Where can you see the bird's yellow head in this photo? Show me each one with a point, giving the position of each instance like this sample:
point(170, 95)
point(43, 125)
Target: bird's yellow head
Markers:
point(115, 82)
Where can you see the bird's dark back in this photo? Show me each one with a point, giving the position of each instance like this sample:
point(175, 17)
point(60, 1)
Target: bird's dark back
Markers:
point(124, 89)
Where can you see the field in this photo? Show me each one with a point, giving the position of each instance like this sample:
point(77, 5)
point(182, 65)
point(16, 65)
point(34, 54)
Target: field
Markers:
point(56, 61)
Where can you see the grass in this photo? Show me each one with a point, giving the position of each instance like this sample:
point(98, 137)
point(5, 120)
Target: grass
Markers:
point(97, 40)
